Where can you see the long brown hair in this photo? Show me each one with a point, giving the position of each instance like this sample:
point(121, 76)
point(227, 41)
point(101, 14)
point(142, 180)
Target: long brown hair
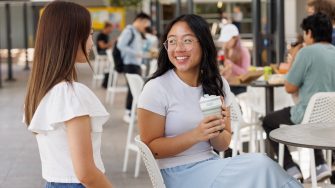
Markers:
point(62, 29)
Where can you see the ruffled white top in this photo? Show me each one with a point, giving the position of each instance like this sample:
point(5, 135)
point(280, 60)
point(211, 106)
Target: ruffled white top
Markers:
point(64, 102)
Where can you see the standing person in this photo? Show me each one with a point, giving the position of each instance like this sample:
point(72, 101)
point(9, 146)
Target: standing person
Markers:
point(103, 42)
point(65, 116)
point(313, 71)
point(132, 54)
point(172, 125)
point(237, 17)
point(325, 6)
point(236, 57)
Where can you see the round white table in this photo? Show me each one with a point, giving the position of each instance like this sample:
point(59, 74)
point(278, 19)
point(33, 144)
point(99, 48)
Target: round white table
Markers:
point(314, 135)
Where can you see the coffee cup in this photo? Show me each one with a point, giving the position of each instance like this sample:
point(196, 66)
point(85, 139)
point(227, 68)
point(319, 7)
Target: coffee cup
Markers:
point(210, 105)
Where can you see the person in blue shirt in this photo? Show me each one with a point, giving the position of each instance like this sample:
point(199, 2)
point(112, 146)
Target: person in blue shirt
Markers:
point(132, 53)
point(313, 71)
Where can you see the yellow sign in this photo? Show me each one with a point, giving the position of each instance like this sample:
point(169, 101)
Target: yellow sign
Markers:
point(115, 15)
point(100, 15)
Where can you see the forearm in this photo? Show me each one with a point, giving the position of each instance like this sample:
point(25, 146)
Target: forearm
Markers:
point(169, 146)
point(238, 69)
point(221, 142)
point(96, 179)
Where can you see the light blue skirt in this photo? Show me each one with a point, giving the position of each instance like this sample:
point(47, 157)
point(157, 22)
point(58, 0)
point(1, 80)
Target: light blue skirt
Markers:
point(243, 171)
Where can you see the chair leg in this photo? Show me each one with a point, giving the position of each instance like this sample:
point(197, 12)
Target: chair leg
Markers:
point(138, 163)
point(129, 135)
point(261, 142)
point(235, 140)
point(313, 169)
point(329, 158)
point(114, 85)
point(109, 82)
point(281, 155)
point(126, 157)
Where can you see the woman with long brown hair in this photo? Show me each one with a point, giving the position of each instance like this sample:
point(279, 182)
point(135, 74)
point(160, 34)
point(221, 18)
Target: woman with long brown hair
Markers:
point(65, 115)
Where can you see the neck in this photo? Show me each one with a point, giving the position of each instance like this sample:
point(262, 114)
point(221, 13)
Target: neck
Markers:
point(191, 78)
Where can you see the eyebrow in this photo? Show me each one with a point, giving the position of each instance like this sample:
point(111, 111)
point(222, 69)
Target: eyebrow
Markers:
point(182, 35)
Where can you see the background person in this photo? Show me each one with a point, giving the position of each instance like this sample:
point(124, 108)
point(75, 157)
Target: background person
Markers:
point(66, 116)
point(132, 54)
point(103, 42)
point(313, 71)
point(236, 57)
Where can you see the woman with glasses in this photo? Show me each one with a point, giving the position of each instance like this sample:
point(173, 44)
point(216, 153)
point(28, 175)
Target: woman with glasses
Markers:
point(172, 125)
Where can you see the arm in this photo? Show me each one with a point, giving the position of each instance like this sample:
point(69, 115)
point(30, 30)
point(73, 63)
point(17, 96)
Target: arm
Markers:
point(80, 145)
point(242, 67)
point(222, 141)
point(152, 125)
point(290, 88)
point(104, 45)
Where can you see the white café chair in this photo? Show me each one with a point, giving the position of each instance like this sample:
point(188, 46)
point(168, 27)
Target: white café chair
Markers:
point(239, 125)
point(152, 67)
point(150, 164)
point(251, 129)
point(136, 83)
point(320, 109)
point(100, 62)
point(113, 77)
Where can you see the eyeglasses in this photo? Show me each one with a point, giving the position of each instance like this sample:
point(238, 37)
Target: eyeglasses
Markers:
point(186, 43)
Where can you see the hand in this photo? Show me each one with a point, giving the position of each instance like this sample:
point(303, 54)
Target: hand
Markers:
point(208, 128)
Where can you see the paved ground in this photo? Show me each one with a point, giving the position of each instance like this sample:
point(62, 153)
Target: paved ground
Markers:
point(19, 159)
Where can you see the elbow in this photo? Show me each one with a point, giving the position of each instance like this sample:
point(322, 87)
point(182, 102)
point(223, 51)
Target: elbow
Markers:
point(85, 179)
point(86, 176)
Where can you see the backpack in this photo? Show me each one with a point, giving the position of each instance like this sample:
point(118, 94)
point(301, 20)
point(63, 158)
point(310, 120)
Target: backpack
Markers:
point(118, 61)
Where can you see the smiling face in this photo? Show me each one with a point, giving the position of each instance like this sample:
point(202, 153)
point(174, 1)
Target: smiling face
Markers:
point(184, 49)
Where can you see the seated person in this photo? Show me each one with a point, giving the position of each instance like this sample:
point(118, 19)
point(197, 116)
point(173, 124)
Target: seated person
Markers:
point(103, 42)
point(294, 48)
point(173, 126)
point(313, 71)
point(237, 58)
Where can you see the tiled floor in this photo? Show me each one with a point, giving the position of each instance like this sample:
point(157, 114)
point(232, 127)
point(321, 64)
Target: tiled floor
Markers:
point(19, 159)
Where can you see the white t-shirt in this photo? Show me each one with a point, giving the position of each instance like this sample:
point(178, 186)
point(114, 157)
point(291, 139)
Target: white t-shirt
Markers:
point(169, 96)
point(64, 102)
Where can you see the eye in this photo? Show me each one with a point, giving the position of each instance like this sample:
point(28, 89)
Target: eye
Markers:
point(172, 41)
point(188, 41)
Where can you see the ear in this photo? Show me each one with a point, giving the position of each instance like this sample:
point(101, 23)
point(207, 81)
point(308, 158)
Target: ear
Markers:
point(309, 33)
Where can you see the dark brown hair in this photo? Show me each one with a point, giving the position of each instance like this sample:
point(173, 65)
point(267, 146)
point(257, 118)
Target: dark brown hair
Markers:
point(325, 6)
point(63, 28)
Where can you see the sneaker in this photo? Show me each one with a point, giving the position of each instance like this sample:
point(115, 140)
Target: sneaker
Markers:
point(295, 172)
point(126, 116)
point(322, 173)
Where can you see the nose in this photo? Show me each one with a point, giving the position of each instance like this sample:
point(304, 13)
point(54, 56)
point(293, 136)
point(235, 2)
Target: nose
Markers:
point(179, 46)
